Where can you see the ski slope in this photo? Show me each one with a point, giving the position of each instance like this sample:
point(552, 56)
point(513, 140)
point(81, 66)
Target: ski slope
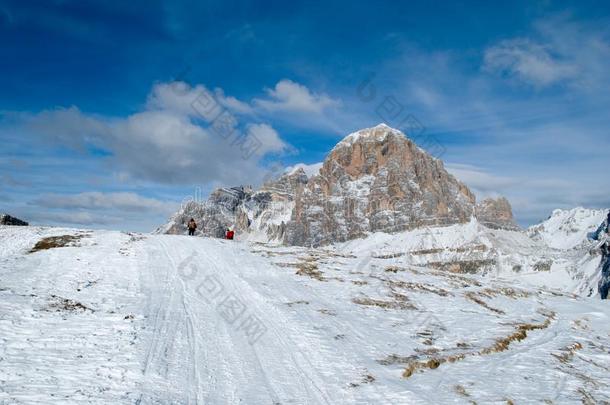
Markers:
point(159, 319)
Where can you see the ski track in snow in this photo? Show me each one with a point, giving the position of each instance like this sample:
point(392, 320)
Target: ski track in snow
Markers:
point(151, 330)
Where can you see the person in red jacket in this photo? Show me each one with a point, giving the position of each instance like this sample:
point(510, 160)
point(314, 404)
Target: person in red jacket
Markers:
point(229, 235)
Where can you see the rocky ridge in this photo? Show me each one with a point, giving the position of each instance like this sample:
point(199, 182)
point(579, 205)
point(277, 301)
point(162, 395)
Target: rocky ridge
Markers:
point(6, 219)
point(374, 180)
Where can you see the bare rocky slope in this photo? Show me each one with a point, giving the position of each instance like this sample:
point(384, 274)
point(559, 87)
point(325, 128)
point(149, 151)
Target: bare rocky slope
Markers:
point(374, 180)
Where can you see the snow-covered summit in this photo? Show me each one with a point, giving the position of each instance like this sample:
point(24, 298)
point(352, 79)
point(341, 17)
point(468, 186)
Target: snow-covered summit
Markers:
point(375, 179)
point(377, 133)
point(309, 169)
point(567, 229)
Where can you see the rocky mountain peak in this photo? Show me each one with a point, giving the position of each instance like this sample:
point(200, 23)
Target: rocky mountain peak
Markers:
point(374, 180)
point(496, 213)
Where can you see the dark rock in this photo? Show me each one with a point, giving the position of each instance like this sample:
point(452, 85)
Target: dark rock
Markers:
point(6, 219)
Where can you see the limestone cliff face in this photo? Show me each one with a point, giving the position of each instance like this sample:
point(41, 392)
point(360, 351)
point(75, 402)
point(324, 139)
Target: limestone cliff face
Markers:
point(376, 180)
point(262, 214)
point(214, 216)
point(496, 213)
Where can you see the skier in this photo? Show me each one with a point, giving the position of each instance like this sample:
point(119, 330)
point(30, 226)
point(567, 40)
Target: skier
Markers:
point(192, 225)
point(229, 234)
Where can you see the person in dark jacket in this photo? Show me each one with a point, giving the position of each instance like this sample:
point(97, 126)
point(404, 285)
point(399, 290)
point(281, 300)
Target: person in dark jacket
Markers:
point(192, 225)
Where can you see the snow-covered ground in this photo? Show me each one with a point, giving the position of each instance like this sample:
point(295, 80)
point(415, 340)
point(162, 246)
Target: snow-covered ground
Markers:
point(159, 319)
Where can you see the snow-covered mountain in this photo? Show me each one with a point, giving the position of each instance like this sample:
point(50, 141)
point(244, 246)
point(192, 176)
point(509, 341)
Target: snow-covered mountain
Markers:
point(377, 185)
point(424, 296)
point(375, 179)
point(564, 233)
point(567, 229)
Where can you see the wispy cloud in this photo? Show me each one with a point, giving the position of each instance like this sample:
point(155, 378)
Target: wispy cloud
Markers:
point(532, 62)
point(560, 50)
point(288, 96)
point(169, 142)
point(122, 201)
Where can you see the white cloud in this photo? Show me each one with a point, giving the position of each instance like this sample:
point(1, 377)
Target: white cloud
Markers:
point(170, 141)
point(483, 183)
point(270, 141)
point(122, 201)
point(288, 102)
point(233, 104)
point(67, 126)
point(81, 218)
point(532, 62)
point(289, 96)
point(181, 98)
point(176, 97)
point(559, 50)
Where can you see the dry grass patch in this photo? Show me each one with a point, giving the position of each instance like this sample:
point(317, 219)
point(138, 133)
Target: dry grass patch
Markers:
point(330, 253)
point(366, 379)
point(395, 359)
point(464, 266)
point(463, 249)
point(420, 287)
point(567, 353)
point(59, 304)
point(389, 255)
point(52, 242)
point(399, 303)
point(305, 268)
point(394, 269)
point(518, 335)
point(472, 296)
point(423, 252)
point(505, 291)
point(581, 324)
point(500, 345)
point(457, 280)
point(310, 270)
point(461, 390)
point(290, 304)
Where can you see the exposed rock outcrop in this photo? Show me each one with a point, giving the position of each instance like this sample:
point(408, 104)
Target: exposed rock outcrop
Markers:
point(6, 219)
point(214, 216)
point(374, 180)
point(262, 214)
point(496, 213)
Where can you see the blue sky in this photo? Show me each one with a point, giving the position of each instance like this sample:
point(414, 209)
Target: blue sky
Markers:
point(108, 110)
